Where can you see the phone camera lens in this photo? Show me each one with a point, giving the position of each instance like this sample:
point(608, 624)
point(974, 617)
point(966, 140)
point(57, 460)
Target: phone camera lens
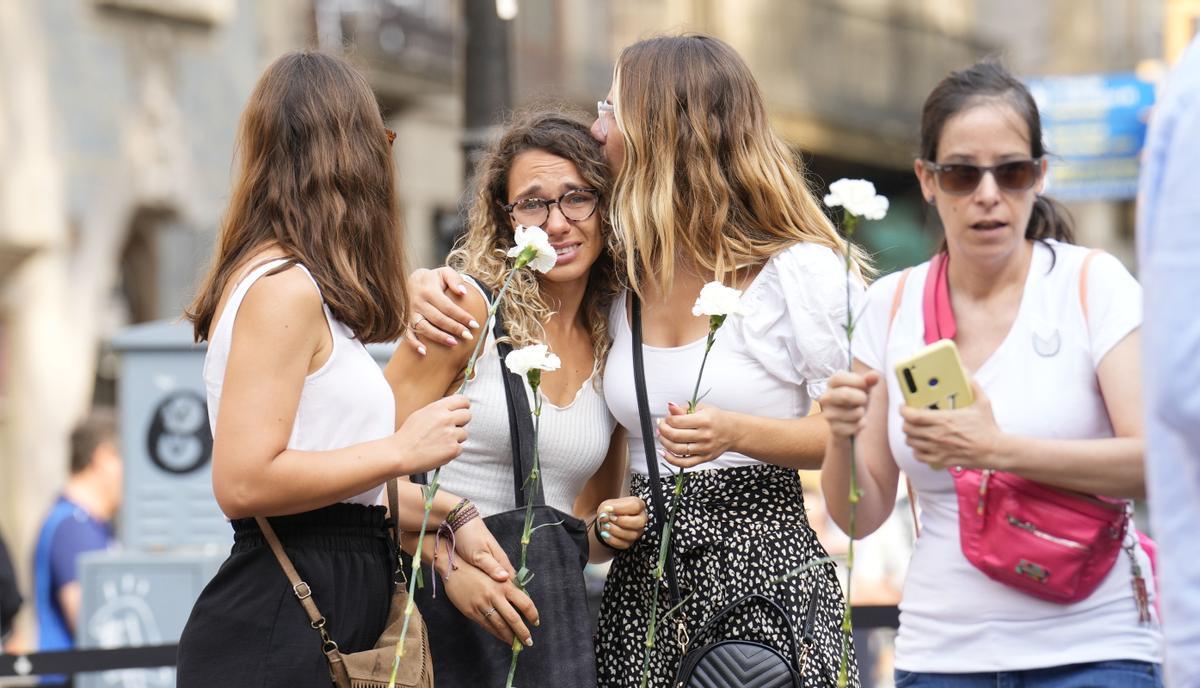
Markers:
point(933, 382)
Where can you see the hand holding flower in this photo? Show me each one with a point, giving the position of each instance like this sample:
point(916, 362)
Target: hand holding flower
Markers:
point(844, 404)
point(695, 438)
point(967, 437)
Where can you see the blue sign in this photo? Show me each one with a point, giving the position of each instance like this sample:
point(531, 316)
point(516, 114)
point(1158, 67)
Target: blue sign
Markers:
point(1094, 127)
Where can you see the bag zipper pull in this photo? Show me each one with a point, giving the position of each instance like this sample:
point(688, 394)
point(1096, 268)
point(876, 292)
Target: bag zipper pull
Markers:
point(983, 486)
point(1140, 595)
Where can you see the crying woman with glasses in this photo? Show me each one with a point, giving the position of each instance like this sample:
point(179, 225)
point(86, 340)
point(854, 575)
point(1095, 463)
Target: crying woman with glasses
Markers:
point(545, 170)
point(1011, 569)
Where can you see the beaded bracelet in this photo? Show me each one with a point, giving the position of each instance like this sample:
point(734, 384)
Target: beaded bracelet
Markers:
point(462, 516)
point(462, 504)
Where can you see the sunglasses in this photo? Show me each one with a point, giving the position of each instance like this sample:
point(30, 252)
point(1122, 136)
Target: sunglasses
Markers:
point(960, 179)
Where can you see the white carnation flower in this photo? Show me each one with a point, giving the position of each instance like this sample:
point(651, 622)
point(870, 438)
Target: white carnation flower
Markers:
point(532, 357)
point(533, 249)
point(718, 299)
point(858, 197)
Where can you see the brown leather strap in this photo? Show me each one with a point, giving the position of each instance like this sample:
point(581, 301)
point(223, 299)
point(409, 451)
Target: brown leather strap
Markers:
point(337, 666)
point(897, 297)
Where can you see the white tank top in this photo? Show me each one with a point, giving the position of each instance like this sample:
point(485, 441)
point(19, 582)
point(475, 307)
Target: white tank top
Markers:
point(345, 402)
point(572, 441)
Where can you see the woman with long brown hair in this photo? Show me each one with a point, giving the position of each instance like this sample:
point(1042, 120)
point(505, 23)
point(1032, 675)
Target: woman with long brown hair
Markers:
point(705, 190)
point(305, 273)
point(543, 170)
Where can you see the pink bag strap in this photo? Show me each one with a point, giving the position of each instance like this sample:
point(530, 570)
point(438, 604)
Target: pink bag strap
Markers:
point(935, 302)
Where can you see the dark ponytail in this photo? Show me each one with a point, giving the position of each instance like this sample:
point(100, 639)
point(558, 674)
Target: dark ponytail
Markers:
point(984, 81)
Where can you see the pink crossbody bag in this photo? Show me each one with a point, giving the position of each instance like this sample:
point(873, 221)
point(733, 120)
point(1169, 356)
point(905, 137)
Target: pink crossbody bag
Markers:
point(1054, 544)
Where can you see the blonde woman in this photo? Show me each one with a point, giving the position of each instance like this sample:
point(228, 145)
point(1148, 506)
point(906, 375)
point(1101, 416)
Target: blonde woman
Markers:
point(704, 189)
point(544, 170)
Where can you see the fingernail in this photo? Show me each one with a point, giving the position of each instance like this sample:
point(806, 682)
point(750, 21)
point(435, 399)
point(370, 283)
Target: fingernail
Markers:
point(451, 341)
point(474, 325)
point(537, 622)
point(606, 526)
point(421, 350)
point(467, 335)
point(605, 534)
point(529, 642)
point(462, 289)
point(604, 515)
point(608, 508)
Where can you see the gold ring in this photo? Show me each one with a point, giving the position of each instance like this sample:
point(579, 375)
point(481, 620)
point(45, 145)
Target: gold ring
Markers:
point(418, 320)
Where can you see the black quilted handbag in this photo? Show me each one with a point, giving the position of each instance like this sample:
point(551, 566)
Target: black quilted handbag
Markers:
point(727, 663)
point(744, 663)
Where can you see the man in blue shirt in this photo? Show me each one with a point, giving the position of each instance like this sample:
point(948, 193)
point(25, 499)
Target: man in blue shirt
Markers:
point(1169, 269)
point(80, 521)
point(10, 596)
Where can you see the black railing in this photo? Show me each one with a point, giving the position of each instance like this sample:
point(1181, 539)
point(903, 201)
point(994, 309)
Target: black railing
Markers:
point(156, 656)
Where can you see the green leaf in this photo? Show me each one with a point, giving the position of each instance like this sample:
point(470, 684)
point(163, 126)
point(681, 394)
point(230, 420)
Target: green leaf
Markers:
point(544, 525)
point(801, 569)
point(524, 576)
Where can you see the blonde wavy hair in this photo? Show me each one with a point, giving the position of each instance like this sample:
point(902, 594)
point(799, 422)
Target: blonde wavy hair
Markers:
point(482, 250)
point(705, 176)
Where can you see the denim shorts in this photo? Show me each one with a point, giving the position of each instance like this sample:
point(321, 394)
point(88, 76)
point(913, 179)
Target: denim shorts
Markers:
point(1116, 673)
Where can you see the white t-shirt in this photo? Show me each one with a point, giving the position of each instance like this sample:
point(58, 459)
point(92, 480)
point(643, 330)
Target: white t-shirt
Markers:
point(953, 618)
point(771, 362)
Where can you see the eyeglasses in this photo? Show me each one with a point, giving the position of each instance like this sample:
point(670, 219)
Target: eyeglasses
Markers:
point(960, 179)
point(391, 136)
point(604, 112)
point(576, 205)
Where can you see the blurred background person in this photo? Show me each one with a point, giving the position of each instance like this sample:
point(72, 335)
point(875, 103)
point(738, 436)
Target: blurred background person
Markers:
point(1169, 254)
point(10, 596)
point(80, 521)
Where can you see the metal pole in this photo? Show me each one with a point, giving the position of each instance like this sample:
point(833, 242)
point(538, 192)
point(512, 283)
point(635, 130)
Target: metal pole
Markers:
point(488, 94)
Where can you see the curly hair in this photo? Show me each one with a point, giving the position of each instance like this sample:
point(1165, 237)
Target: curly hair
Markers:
point(481, 251)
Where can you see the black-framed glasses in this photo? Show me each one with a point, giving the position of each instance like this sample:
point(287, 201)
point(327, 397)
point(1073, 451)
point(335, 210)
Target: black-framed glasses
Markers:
point(960, 179)
point(576, 205)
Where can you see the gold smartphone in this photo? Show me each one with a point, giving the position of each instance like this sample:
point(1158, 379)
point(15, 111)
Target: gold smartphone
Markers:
point(934, 378)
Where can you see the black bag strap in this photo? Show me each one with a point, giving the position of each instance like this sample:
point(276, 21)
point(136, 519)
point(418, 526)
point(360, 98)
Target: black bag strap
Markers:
point(658, 501)
point(520, 420)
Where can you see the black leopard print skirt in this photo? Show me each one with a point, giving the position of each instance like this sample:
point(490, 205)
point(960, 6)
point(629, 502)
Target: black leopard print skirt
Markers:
point(737, 529)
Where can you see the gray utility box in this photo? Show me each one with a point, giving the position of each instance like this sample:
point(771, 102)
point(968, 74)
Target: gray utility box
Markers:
point(132, 599)
point(173, 535)
point(166, 441)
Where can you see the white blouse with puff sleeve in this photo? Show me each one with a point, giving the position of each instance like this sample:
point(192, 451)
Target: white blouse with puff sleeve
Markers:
point(772, 361)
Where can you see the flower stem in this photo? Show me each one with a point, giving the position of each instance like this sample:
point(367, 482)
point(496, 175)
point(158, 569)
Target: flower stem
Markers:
point(850, 223)
point(526, 534)
point(431, 490)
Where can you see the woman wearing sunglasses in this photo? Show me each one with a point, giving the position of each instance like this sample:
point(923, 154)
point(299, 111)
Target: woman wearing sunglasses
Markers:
point(1048, 332)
